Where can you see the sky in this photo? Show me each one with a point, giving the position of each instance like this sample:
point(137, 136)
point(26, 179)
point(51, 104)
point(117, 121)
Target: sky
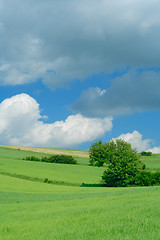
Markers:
point(73, 72)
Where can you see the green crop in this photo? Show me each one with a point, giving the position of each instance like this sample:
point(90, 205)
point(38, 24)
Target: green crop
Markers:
point(31, 210)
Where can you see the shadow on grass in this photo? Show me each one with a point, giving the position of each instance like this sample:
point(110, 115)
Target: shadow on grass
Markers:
point(92, 185)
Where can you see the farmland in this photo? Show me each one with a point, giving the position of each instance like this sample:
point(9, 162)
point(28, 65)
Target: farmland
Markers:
point(32, 209)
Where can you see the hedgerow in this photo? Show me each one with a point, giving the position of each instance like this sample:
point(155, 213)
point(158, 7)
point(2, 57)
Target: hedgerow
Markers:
point(64, 159)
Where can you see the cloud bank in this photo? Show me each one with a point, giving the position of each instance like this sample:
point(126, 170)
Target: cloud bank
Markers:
point(58, 41)
point(22, 124)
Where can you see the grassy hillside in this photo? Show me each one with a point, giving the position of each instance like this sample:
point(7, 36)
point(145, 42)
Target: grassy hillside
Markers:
point(11, 163)
point(152, 162)
point(52, 151)
point(71, 174)
point(40, 211)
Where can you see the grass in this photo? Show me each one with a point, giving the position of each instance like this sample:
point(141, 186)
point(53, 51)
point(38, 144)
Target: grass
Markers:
point(76, 174)
point(10, 153)
point(11, 163)
point(152, 162)
point(40, 211)
point(82, 160)
point(16, 153)
point(82, 157)
point(52, 151)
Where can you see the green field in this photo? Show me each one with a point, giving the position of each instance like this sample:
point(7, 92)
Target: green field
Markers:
point(33, 210)
point(152, 162)
point(60, 173)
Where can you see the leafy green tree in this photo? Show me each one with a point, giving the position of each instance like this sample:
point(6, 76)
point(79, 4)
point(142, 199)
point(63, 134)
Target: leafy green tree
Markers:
point(97, 154)
point(124, 164)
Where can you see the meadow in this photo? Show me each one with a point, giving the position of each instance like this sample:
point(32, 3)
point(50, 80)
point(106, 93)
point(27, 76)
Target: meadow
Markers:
point(31, 209)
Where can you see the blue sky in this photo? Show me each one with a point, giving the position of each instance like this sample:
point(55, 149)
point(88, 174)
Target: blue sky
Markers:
point(72, 72)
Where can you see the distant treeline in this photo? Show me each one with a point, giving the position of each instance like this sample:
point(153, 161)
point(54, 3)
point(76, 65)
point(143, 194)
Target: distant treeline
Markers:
point(64, 159)
point(146, 153)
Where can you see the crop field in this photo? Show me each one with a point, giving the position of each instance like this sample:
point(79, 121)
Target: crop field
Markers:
point(52, 151)
point(152, 162)
point(31, 209)
point(60, 173)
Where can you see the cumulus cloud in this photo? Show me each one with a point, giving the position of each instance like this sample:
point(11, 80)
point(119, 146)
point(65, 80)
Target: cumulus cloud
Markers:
point(59, 41)
point(21, 124)
point(155, 150)
point(136, 141)
point(134, 91)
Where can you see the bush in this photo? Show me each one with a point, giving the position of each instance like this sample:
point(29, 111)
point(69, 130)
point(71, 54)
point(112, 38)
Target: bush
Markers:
point(65, 159)
point(146, 153)
point(145, 178)
point(32, 158)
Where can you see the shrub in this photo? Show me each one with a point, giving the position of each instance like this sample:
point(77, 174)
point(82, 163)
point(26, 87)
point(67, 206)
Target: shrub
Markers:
point(145, 178)
point(65, 159)
point(156, 179)
point(32, 158)
point(146, 153)
point(46, 180)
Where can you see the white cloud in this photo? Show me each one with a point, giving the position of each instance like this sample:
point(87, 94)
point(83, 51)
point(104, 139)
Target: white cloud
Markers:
point(155, 150)
point(75, 38)
point(136, 141)
point(20, 124)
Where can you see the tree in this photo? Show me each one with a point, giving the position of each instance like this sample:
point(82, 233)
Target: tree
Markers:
point(124, 164)
point(100, 153)
point(97, 154)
